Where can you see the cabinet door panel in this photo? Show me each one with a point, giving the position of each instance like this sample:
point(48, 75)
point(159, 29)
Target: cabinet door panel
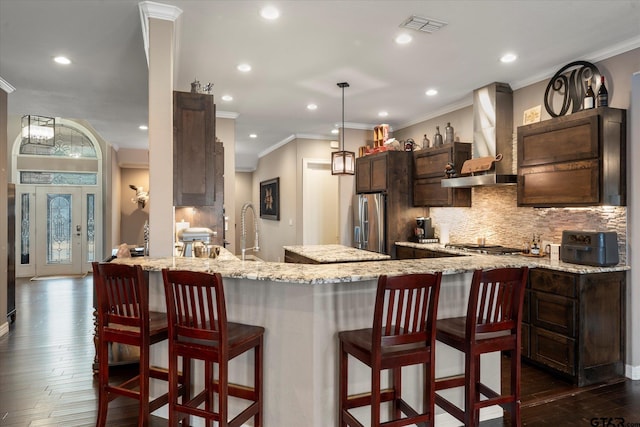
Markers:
point(429, 192)
point(363, 175)
point(428, 166)
point(561, 184)
point(569, 141)
point(553, 350)
point(379, 173)
point(194, 151)
point(554, 313)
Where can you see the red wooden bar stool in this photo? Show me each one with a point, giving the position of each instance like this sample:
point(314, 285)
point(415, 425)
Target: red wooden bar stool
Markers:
point(198, 329)
point(403, 334)
point(122, 300)
point(493, 321)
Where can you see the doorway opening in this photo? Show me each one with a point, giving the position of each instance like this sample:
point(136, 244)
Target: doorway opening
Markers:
point(58, 202)
point(320, 216)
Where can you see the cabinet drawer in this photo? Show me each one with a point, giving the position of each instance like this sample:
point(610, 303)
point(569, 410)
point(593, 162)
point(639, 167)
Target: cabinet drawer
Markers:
point(554, 282)
point(554, 313)
point(553, 350)
point(560, 184)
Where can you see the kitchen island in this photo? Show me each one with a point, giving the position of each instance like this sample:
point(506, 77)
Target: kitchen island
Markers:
point(328, 254)
point(302, 308)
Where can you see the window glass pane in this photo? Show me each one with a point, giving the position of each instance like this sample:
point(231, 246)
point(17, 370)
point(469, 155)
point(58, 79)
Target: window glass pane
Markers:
point(91, 223)
point(58, 178)
point(59, 243)
point(24, 228)
point(68, 143)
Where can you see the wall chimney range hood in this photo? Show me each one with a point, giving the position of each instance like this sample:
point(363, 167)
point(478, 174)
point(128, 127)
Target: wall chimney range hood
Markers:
point(492, 135)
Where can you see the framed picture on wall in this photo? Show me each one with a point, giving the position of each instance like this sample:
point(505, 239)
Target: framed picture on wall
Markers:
point(270, 199)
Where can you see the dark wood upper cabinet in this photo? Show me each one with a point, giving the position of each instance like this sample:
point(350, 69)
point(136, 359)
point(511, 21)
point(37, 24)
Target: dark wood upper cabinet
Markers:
point(575, 160)
point(198, 165)
point(429, 166)
point(383, 171)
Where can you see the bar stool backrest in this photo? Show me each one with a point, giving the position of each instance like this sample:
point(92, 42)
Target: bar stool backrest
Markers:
point(405, 309)
point(495, 301)
point(121, 295)
point(195, 306)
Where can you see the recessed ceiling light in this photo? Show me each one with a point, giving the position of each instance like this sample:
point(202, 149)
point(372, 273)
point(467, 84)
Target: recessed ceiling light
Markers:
point(431, 92)
point(403, 38)
point(509, 57)
point(143, 127)
point(270, 13)
point(335, 131)
point(312, 107)
point(253, 135)
point(245, 68)
point(63, 60)
point(383, 114)
point(227, 98)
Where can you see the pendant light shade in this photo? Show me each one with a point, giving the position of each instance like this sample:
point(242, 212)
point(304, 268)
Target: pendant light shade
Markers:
point(343, 162)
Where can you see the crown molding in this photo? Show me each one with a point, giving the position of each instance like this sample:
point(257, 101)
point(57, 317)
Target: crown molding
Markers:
point(276, 146)
point(227, 115)
point(150, 9)
point(4, 85)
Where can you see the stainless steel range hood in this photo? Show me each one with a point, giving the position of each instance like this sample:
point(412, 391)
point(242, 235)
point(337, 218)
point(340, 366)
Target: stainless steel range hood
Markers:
point(492, 135)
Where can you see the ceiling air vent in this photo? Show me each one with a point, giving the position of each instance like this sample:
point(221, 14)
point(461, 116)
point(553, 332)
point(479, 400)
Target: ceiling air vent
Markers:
point(426, 25)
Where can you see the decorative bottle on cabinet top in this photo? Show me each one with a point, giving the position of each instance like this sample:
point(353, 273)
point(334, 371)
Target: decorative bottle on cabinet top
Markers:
point(589, 98)
point(603, 94)
point(437, 138)
point(448, 134)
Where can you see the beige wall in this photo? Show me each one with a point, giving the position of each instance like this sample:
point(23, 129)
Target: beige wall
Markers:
point(132, 215)
point(286, 162)
point(226, 132)
point(243, 193)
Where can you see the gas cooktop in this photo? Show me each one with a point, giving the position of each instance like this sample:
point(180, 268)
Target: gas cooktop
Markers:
point(484, 249)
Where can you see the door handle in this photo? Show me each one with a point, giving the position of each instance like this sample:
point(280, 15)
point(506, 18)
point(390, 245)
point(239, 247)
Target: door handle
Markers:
point(78, 230)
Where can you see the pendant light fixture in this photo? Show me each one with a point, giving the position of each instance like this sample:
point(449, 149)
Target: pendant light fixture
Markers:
point(343, 162)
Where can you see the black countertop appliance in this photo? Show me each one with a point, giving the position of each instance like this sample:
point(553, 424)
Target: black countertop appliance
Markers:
point(597, 248)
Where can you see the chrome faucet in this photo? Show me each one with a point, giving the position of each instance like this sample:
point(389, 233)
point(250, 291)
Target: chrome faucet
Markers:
point(243, 238)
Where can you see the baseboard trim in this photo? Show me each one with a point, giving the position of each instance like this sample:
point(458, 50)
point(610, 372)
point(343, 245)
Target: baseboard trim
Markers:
point(4, 328)
point(632, 372)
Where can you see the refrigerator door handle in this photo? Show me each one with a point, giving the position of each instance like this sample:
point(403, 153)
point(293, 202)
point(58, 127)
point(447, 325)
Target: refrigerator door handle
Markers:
point(357, 236)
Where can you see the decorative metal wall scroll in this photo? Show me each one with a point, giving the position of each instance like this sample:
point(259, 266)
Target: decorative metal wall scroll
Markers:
point(569, 84)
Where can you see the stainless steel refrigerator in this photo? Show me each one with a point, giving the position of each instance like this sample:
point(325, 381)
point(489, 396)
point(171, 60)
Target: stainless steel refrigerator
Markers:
point(369, 216)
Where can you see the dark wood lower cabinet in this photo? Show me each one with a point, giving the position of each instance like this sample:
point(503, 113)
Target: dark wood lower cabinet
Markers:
point(406, 252)
point(574, 324)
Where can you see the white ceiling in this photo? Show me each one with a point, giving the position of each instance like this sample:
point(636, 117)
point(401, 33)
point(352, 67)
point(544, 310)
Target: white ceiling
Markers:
point(296, 60)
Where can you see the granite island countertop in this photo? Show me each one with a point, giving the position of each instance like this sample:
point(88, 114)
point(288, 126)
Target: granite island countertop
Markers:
point(228, 265)
point(326, 254)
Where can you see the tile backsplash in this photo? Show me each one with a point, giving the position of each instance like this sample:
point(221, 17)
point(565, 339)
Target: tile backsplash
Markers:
point(495, 216)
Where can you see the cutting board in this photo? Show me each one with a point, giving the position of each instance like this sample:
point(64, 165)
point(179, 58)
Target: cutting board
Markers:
point(479, 164)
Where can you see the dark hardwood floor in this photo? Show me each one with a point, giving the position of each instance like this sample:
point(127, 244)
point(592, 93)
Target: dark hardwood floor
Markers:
point(46, 376)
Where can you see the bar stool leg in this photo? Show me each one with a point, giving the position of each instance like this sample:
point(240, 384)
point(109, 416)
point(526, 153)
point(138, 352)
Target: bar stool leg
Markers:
point(344, 371)
point(257, 369)
point(397, 391)
point(375, 395)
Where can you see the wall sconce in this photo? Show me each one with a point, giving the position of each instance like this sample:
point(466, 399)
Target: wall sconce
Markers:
point(38, 130)
point(343, 162)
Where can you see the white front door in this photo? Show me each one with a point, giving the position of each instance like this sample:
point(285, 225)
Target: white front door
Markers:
point(59, 231)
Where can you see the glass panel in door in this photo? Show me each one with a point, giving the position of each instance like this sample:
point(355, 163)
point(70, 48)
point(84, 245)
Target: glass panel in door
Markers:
point(59, 231)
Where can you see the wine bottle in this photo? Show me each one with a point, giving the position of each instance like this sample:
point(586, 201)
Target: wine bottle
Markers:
point(603, 94)
point(589, 97)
